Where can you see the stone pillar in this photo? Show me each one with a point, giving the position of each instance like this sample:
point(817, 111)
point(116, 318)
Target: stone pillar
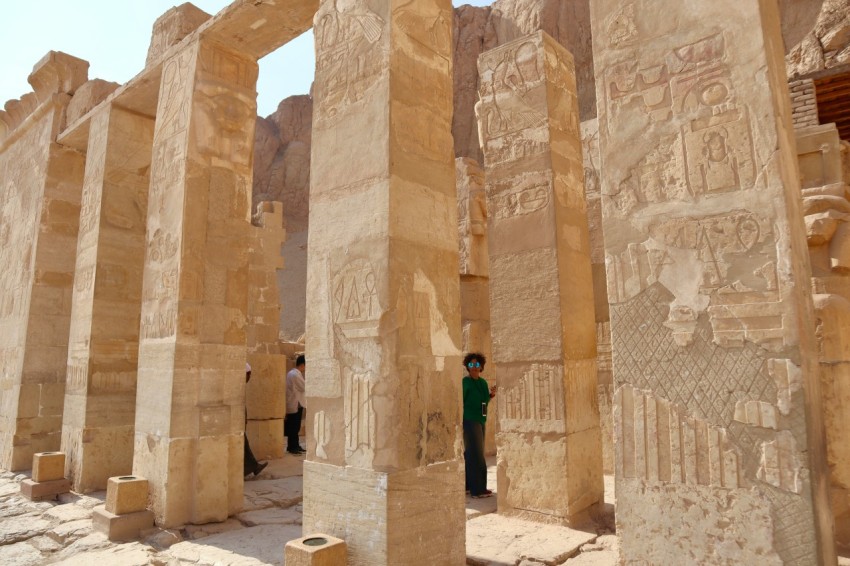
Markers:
point(827, 212)
point(604, 373)
point(40, 186)
point(265, 394)
point(191, 379)
point(475, 275)
point(100, 393)
point(541, 288)
point(717, 412)
point(384, 469)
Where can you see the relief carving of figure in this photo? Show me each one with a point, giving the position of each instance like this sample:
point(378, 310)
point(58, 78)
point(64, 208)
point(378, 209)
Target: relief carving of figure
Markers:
point(347, 61)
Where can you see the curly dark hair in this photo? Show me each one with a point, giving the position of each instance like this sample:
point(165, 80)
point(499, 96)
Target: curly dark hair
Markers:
point(475, 356)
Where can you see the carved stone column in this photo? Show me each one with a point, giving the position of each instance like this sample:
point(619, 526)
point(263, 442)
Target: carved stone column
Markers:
point(384, 469)
point(100, 393)
point(717, 405)
point(191, 379)
point(475, 275)
point(40, 186)
point(827, 212)
point(265, 394)
point(541, 287)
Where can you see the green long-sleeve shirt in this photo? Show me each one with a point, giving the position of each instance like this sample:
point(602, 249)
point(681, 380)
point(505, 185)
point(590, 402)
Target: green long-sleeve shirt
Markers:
point(476, 395)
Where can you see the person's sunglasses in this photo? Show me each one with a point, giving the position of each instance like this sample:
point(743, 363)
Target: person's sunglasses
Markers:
point(473, 365)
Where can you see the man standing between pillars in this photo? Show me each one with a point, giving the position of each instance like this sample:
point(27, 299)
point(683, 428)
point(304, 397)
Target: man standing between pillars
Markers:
point(294, 406)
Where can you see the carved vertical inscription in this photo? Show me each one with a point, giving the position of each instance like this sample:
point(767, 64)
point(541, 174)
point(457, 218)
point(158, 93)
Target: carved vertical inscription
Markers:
point(660, 443)
point(712, 154)
point(350, 57)
point(359, 415)
point(507, 115)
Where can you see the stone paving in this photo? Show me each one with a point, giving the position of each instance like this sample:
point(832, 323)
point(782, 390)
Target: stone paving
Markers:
point(60, 532)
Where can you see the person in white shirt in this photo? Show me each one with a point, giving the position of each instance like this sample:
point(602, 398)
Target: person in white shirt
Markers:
point(294, 406)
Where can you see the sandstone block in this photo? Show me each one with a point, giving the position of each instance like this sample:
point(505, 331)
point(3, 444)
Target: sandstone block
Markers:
point(171, 27)
point(126, 494)
point(48, 466)
point(39, 491)
point(121, 527)
point(315, 550)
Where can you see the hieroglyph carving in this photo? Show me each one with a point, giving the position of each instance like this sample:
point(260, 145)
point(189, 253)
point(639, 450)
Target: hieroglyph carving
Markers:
point(359, 415)
point(536, 401)
point(351, 56)
point(321, 432)
point(509, 124)
point(94, 178)
point(780, 464)
point(168, 164)
point(658, 442)
point(355, 297)
point(711, 153)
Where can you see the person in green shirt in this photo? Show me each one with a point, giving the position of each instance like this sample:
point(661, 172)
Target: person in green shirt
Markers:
point(476, 398)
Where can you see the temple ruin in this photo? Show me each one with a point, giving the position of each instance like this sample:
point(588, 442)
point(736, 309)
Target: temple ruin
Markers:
point(638, 211)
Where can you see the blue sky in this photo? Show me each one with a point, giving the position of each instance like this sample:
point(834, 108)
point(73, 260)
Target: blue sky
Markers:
point(113, 35)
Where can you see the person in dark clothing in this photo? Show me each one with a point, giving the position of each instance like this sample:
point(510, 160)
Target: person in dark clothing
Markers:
point(250, 465)
point(295, 387)
point(476, 398)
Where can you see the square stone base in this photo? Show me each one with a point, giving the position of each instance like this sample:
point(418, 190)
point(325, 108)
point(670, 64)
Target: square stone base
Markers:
point(389, 518)
point(121, 527)
point(39, 491)
point(315, 550)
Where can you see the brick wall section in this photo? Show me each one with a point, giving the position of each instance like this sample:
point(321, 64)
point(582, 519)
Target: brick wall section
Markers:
point(804, 110)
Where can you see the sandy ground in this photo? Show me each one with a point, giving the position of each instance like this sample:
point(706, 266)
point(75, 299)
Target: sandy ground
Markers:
point(60, 532)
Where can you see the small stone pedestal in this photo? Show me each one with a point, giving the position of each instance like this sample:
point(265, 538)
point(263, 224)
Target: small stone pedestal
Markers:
point(316, 550)
point(125, 514)
point(48, 477)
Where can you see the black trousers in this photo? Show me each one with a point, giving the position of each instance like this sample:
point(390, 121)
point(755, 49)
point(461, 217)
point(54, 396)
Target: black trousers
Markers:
point(249, 464)
point(291, 427)
point(476, 466)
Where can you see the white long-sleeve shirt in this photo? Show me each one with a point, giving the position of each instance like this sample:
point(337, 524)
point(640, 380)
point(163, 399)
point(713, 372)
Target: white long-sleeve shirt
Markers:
point(294, 390)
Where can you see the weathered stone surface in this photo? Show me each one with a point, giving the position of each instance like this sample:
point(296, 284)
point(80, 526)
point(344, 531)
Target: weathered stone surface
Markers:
point(195, 532)
point(127, 494)
point(21, 529)
point(39, 216)
point(171, 27)
point(48, 466)
point(70, 531)
point(282, 493)
point(384, 320)
point(544, 331)
point(282, 173)
point(195, 290)
point(132, 554)
point(827, 215)
point(87, 96)
point(100, 392)
point(316, 549)
point(247, 547)
point(20, 554)
point(265, 393)
point(67, 513)
point(494, 539)
point(826, 43)
point(717, 406)
point(271, 516)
